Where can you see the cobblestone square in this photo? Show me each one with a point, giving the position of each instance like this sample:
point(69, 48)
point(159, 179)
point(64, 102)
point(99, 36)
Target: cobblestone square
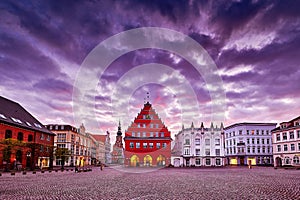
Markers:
point(170, 183)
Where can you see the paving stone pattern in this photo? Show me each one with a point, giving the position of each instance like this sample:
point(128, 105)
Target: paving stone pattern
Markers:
point(170, 183)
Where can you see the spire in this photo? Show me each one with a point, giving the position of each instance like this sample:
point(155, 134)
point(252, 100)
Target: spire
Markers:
point(119, 129)
point(192, 126)
point(182, 126)
point(211, 125)
point(222, 126)
point(202, 126)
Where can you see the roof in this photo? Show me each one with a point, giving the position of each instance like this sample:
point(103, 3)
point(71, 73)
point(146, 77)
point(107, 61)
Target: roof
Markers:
point(289, 124)
point(101, 138)
point(14, 114)
point(250, 124)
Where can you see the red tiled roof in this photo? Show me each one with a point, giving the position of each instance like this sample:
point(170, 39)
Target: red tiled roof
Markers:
point(101, 138)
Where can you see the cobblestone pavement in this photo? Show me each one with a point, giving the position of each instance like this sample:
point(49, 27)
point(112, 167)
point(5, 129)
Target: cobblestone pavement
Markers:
point(172, 183)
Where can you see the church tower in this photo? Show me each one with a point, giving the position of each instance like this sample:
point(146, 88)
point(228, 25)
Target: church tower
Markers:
point(118, 150)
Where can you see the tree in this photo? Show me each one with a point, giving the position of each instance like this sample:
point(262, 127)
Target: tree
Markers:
point(63, 154)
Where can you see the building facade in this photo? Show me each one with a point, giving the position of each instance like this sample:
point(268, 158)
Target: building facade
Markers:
point(82, 147)
point(105, 139)
point(199, 147)
point(147, 140)
point(24, 141)
point(286, 143)
point(249, 143)
point(118, 149)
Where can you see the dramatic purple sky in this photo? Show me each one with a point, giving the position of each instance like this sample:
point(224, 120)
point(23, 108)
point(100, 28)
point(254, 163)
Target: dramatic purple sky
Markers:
point(255, 45)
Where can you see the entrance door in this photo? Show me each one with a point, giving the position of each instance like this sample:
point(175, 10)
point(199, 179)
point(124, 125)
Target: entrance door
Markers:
point(242, 161)
point(278, 162)
point(187, 162)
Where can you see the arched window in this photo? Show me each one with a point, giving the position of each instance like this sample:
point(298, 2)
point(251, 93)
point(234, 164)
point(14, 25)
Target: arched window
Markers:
point(20, 136)
point(296, 160)
point(287, 161)
point(8, 134)
point(30, 138)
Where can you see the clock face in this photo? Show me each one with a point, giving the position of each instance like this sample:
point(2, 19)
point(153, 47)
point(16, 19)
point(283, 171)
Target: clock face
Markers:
point(148, 117)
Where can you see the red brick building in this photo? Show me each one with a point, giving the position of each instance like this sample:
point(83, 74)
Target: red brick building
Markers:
point(147, 140)
point(24, 141)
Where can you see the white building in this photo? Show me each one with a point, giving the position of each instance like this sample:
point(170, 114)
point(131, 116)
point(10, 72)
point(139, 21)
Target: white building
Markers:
point(247, 143)
point(199, 147)
point(286, 143)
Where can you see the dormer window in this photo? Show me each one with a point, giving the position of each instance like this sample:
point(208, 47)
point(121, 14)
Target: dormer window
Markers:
point(28, 124)
point(2, 116)
point(16, 120)
point(37, 125)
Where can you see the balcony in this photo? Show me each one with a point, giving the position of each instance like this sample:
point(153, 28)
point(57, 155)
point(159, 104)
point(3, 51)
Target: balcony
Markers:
point(241, 144)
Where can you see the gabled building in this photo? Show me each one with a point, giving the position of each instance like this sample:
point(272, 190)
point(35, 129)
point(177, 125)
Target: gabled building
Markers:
point(249, 143)
point(199, 147)
point(118, 149)
point(106, 140)
point(147, 140)
point(24, 141)
point(286, 143)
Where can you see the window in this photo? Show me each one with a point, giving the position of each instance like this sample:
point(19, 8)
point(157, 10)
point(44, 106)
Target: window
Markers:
point(278, 137)
point(217, 152)
point(151, 134)
point(198, 161)
point(151, 125)
point(257, 132)
point(217, 142)
point(164, 145)
point(156, 134)
point(156, 125)
point(16, 120)
point(28, 124)
point(218, 161)
point(262, 132)
point(258, 149)
point(145, 145)
point(20, 136)
point(8, 134)
point(207, 141)
point(42, 148)
point(233, 133)
point(144, 134)
point(42, 136)
point(267, 132)
point(186, 151)
point(138, 125)
point(240, 132)
point(278, 148)
point(287, 160)
point(144, 125)
point(298, 146)
point(285, 147)
point(253, 149)
point(248, 141)
point(263, 141)
point(158, 145)
point(207, 161)
point(268, 141)
point(284, 136)
point(131, 145)
point(197, 141)
point(151, 145)
point(292, 147)
point(2, 116)
point(133, 134)
point(263, 149)
point(30, 138)
point(187, 142)
point(162, 134)
point(247, 132)
point(298, 134)
point(291, 135)
point(257, 141)
point(197, 152)
point(248, 149)
point(234, 142)
point(207, 152)
point(138, 134)
point(137, 145)
point(269, 150)
point(296, 160)
point(48, 138)
point(37, 125)
point(253, 141)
